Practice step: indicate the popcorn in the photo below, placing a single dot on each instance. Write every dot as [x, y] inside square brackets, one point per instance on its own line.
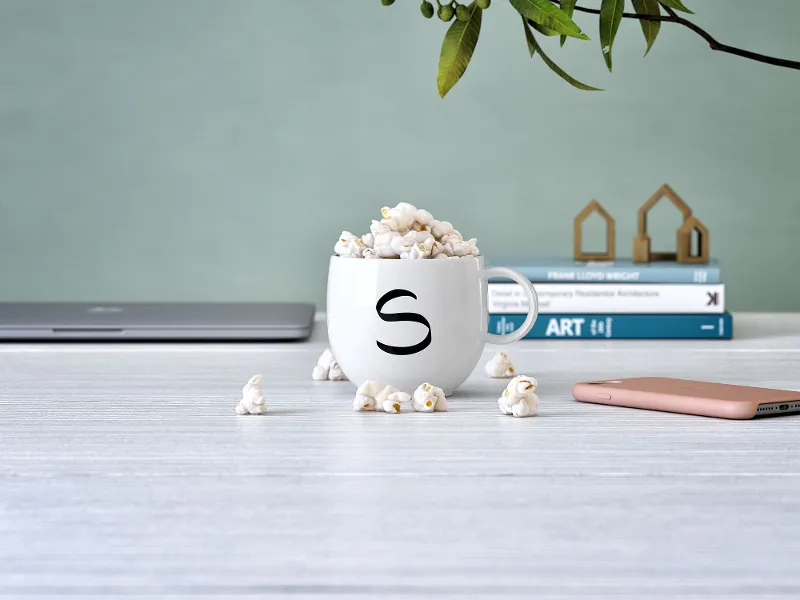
[335, 373]
[400, 244]
[452, 237]
[327, 368]
[377, 227]
[428, 398]
[393, 401]
[518, 398]
[253, 401]
[399, 218]
[349, 245]
[363, 403]
[417, 251]
[420, 249]
[424, 237]
[384, 246]
[407, 232]
[422, 220]
[440, 229]
[500, 366]
[455, 247]
[374, 395]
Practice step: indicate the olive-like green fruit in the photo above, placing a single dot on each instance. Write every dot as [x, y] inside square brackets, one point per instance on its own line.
[427, 9]
[387, 2]
[462, 13]
[446, 13]
[484, 4]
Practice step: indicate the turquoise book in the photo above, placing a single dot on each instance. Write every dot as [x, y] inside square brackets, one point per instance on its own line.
[619, 326]
[555, 270]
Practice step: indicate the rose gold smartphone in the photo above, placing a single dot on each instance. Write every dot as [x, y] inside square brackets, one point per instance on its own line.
[690, 397]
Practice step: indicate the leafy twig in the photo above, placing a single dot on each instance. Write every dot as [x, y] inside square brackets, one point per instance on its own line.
[673, 17]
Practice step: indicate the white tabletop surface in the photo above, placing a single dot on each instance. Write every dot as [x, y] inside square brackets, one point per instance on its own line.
[125, 472]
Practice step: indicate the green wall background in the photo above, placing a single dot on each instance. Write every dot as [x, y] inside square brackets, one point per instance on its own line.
[210, 149]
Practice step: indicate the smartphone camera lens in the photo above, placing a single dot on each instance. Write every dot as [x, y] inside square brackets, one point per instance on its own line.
[784, 407]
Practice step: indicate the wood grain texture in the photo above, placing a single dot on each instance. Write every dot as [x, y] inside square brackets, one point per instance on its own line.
[125, 472]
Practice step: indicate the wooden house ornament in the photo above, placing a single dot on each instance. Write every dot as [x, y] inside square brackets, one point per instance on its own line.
[686, 231]
[642, 251]
[592, 207]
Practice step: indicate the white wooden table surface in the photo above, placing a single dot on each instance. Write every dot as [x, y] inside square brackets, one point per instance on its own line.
[125, 472]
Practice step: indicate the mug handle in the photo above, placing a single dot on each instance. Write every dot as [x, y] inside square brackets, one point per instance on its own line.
[533, 306]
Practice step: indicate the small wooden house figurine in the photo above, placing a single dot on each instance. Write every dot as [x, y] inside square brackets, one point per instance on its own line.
[593, 206]
[642, 251]
[685, 233]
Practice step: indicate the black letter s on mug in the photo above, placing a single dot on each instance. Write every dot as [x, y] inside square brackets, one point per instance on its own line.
[402, 317]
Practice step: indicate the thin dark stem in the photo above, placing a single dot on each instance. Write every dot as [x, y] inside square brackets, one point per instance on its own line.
[673, 17]
[595, 11]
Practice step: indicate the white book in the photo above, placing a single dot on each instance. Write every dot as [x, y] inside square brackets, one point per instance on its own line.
[565, 298]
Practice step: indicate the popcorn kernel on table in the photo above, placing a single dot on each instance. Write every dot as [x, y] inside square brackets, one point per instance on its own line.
[428, 398]
[327, 368]
[253, 401]
[518, 399]
[500, 366]
[378, 396]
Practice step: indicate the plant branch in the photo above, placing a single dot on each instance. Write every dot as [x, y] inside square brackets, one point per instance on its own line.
[673, 17]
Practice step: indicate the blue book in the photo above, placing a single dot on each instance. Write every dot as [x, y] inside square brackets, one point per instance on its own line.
[620, 326]
[555, 270]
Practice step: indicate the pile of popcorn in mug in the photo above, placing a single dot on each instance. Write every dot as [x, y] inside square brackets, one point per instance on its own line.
[518, 398]
[407, 232]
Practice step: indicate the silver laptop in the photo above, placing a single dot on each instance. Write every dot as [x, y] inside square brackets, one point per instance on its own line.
[164, 321]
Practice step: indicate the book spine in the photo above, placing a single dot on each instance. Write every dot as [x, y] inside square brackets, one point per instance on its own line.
[563, 298]
[631, 327]
[620, 274]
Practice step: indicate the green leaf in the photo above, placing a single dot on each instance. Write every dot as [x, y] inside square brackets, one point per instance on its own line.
[529, 37]
[553, 66]
[457, 48]
[542, 29]
[548, 14]
[676, 4]
[610, 18]
[568, 6]
[650, 29]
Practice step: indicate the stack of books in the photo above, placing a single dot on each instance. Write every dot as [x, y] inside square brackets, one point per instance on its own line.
[613, 300]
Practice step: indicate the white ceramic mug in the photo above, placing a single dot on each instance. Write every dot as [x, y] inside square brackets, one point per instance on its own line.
[405, 322]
